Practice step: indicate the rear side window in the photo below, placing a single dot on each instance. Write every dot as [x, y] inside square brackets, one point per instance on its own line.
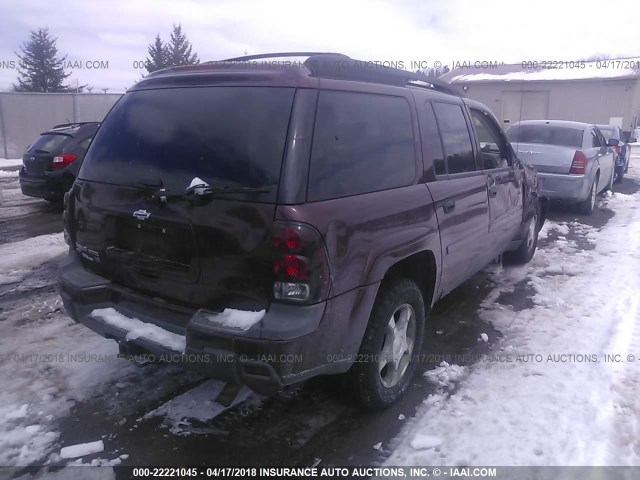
[546, 134]
[50, 143]
[431, 143]
[455, 138]
[226, 136]
[361, 143]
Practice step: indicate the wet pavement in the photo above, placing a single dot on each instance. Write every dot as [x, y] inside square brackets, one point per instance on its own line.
[312, 423]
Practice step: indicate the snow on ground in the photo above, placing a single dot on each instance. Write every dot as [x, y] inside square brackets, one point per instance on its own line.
[18, 258]
[546, 394]
[8, 174]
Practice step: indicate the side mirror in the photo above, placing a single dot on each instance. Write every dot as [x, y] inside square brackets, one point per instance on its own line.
[613, 142]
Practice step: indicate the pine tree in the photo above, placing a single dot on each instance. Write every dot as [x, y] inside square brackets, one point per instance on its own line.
[158, 55]
[40, 68]
[179, 49]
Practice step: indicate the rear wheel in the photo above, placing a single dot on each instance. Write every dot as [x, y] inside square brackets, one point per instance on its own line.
[527, 248]
[587, 205]
[386, 362]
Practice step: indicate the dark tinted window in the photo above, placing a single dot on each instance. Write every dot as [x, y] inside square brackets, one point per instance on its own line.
[455, 138]
[224, 135]
[361, 143]
[595, 140]
[546, 134]
[49, 143]
[431, 143]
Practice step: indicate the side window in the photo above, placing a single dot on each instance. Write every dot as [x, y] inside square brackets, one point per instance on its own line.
[431, 143]
[361, 143]
[455, 138]
[493, 149]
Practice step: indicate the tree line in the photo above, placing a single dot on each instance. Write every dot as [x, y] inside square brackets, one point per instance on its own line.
[41, 68]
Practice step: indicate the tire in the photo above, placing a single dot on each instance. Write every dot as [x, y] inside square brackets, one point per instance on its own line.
[619, 174]
[527, 248]
[588, 204]
[382, 375]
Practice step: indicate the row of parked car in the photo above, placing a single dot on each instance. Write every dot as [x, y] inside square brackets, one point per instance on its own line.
[335, 203]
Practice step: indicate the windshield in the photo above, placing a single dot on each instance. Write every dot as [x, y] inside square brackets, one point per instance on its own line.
[546, 134]
[227, 136]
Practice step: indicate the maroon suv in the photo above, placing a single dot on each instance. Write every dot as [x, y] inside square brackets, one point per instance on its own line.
[267, 222]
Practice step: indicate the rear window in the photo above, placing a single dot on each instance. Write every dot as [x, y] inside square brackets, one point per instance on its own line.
[50, 143]
[226, 136]
[546, 134]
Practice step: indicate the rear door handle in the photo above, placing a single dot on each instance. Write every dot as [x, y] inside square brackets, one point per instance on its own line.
[448, 206]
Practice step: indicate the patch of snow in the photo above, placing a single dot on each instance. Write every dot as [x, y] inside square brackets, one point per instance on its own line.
[18, 258]
[377, 446]
[556, 400]
[401, 417]
[484, 337]
[445, 376]
[82, 449]
[197, 182]
[138, 329]
[8, 173]
[238, 319]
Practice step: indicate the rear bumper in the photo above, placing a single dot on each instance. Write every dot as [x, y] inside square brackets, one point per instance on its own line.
[290, 344]
[565, 187]
[51, 186]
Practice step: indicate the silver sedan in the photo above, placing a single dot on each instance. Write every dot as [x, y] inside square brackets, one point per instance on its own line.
[573, 159]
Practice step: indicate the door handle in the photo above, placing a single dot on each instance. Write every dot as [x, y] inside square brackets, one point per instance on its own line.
[448, 206]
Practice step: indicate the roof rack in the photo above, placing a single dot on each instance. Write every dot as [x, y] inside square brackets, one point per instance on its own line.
[341, 67]
[71, 124]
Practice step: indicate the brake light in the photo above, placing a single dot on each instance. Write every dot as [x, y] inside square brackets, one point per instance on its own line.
[300, 264]
[579, 164]
[63, 160]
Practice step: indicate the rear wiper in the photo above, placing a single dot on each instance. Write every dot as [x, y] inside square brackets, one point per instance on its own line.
[198, 191]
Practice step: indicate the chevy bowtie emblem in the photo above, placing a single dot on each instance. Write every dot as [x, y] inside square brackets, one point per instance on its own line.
[141, 214]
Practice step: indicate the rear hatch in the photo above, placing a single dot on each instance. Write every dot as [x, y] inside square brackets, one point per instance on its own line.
[133, 225]
[39, 156]
[549, 148]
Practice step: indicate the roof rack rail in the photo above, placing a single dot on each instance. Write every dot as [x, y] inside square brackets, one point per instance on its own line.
[260, 56]
[69, 124]
[342, 67]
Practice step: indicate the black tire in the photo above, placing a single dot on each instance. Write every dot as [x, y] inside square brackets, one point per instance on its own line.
[366, 378]
[619, 174]
[588, 204]
[527, 248]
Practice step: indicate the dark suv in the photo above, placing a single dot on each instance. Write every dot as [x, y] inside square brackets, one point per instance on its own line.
[52, 162]
[270, 222]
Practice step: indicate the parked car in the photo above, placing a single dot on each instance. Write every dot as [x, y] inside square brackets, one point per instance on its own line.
[265, 225]
[622, 150]
[573, 159]
[51, 163]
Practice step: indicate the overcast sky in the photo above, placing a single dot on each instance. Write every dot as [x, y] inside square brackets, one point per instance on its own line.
[511, 31]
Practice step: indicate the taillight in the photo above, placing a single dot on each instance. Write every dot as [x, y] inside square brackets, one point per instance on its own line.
[579, 164]
[63, 160]
[300, 264]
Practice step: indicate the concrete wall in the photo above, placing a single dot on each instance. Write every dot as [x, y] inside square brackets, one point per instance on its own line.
[23, 116]
[593, 101]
